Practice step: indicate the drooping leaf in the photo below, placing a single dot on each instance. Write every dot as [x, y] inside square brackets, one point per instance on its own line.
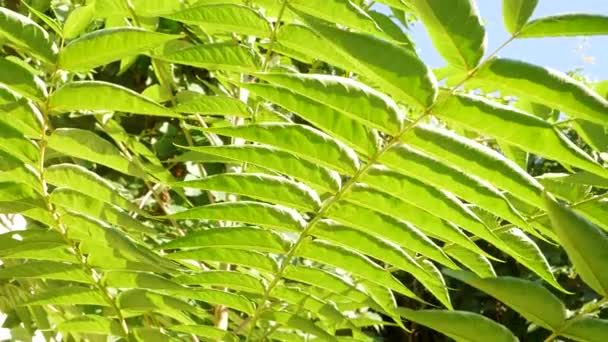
[566, 25]
[409, 81]
[429, 224]
[206, 331]
[213, 105]
[245, 258]
[352, 262]
[531, 300]
[246, 238]
[21, 80]
[89, 146]
[108, 45]
[225, 18]
[386, 227]
[229, 279]
[91, 324]
[46, 270]
[90, 206]
[298, 322]
[458, 325]
[25, 34]
[73, 295]
[301, 140]
[526, 131]
[415, 164]
[82, 180]
[330, 120]
[277, 160]
[223, 56]
[585, 243]
[475, 158]
[546, 86]
[425, 197]
[471, 260]
[275, 216]
[515, 13]
[345, 95]
[455, 29]
[103, 96]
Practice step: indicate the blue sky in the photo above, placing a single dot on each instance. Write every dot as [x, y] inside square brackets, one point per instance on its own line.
[563, 54]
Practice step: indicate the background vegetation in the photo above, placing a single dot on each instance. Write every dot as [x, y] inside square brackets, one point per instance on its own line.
[293, 171]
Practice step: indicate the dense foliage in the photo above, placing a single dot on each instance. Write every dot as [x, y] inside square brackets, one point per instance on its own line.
[291, 170]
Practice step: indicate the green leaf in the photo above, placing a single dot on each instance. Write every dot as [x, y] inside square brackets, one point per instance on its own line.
[246, 238]
[245, 258]
[409, 81]
[455, 29]
[78, 20]
[91, 324]
[515, 13]
[138, 280]
[460, 325]
[217, 56]
[586, 329]
[73, 295]
[146, 301]
[90, 206]
[34, 245]
[475, 158]
[14, 143]
[229, 279]
[301, 140]
[103, 96]
[368, 244]
[213, 105]
[415, 164]
[593, 134]
[528, 254]
[546, 86]
[84, 229]
[352, 262]
[595, 211]
[566, 25]
[341, 12]
[299, 323]
[324, 280]
[17, 112]
[89, 146]
[517, 128]
[289, 38]
[307, 301]
[46, 270]
[225, 18]
[534, 302]
[144, 8]
[217, 297]
[277, 160]
[21, 80]
[259, 186]
[585, 243]
[386, 227]
[152, 334]
[24, 33]
[275, 216]
[87, 182]
[431, 225]
[471, 260]
[342, 127]
[558, 185]
[206, 331]
[108, 45]
[425, 197]
[345, 95]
